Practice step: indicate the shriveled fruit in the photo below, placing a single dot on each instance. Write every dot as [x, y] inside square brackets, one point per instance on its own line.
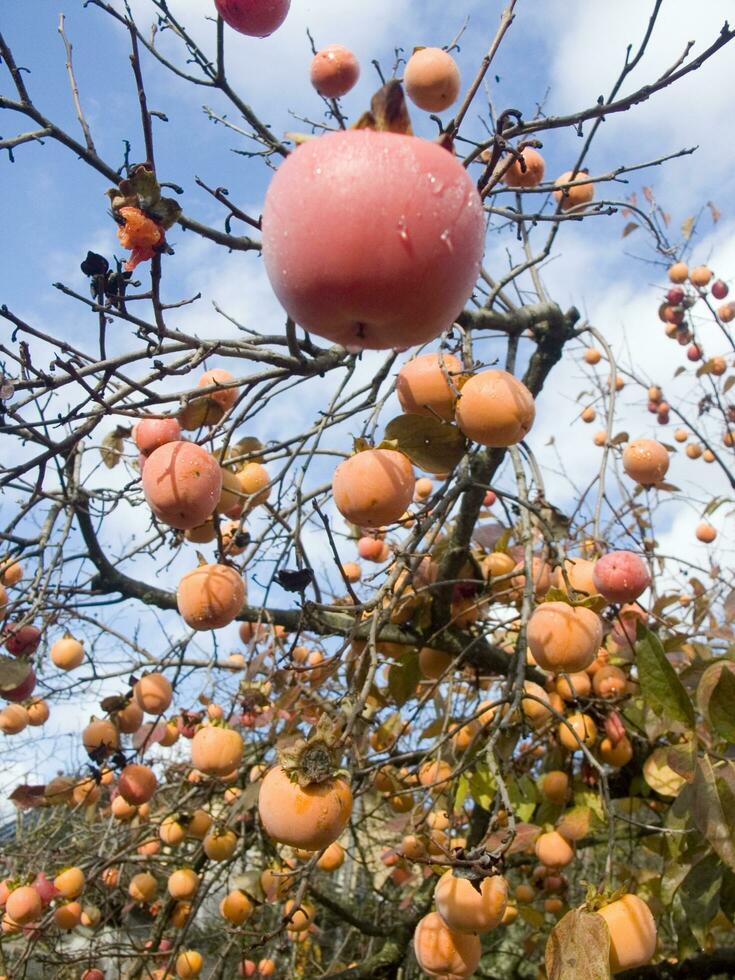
[422, 385]
[67, 653]
[577, 728]
[216, 750]
[373, 487]
[443, 952]
[210, 596]
[255, 18]
[646, 461]
[464, 909]
[495, 409]
[530, 174]
[404, 201]
[563, 637]
[632, 933]
[137, 783]
[579, 193]
[334, 71]
[310, 817]
[154, 694]
[182, 483]
[621, 576]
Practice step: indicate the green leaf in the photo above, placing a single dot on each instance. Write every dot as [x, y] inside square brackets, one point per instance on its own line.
[716, 697]
[523, 795]
[433, 445]
[463, 789]
[700, 894]
[483, 787]
[661, 688]
[403, 678]
[713, 807]
[579, 948]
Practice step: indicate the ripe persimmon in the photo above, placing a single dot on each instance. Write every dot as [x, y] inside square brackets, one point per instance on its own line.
[678, 272]
[101, 736]
[189, 963]
[495, 409]
[373, 487]
[432, 79]
[210, 596]
[555, 786]
[334, 71]
[70, 882]
[24, 905]
[632, 933]
[182, 883]
[616, 755]
[67, 653]
[142, 887]
[575, 729]
[311, 816]
[422, 385]
[705, 532]
[153, 692]
[563, 637]
[443, 952]
[465, 909]
[577, 195]
[553, 850]
[621, 576]
[646, 461]
[220, 845]
[149, 434]
[182, 483]
[236, 907]
[530, 174]
[137, 783]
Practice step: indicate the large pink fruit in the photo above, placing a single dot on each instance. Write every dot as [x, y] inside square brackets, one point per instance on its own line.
[621, 576]
[23, 641]
[149, 434]
[373, 239]
[182, 483]
[256, 18]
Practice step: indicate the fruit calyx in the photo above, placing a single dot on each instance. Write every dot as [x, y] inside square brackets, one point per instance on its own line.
[314, 759]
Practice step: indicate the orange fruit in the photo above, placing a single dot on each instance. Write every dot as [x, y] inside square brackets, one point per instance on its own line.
[495, 409]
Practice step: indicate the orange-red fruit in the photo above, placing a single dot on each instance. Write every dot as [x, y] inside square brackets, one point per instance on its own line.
[592, 356]
[149, 434]
[563, 637]
[130, 718]
[555, 786]
[443, 952]
[236, 907]
[38, 712]
[189, 964]
[183, 883]
[553, 850]
[100, 734]
[577, 728]
[225, 398]
[68, 916]
[516, 176]
[334, 71]
[70, 882]
[13, 719]
[422, 386]
[24, 905]
[432, 79]
[700, 275]
[373, 487]
[645, 461]
[621, 576]
[705, 532]
[617, 755]
[219, 845]
[580, 193]
[210, 596]
[216, 751]
[67, 653]
[464, 909]
[137, 783]
[495, 409]
[153, 692]
[142, 887]
[403, 201]
[311, 817]
[632, 933]
[182, 483]
[332, 858]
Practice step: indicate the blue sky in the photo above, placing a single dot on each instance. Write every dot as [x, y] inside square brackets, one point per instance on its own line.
[561, 54]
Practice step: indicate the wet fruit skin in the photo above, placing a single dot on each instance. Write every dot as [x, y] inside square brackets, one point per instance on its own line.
[255, 18]
[632, 933]
[646, 461]
[310, 817]
[372, 239]
[621, 576]
[182, 483]
[373, 487]
[334, 71]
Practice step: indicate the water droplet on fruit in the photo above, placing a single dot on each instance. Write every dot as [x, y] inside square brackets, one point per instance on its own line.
[317, 172]
[402, 228]
[437, 186]
[446, 237]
